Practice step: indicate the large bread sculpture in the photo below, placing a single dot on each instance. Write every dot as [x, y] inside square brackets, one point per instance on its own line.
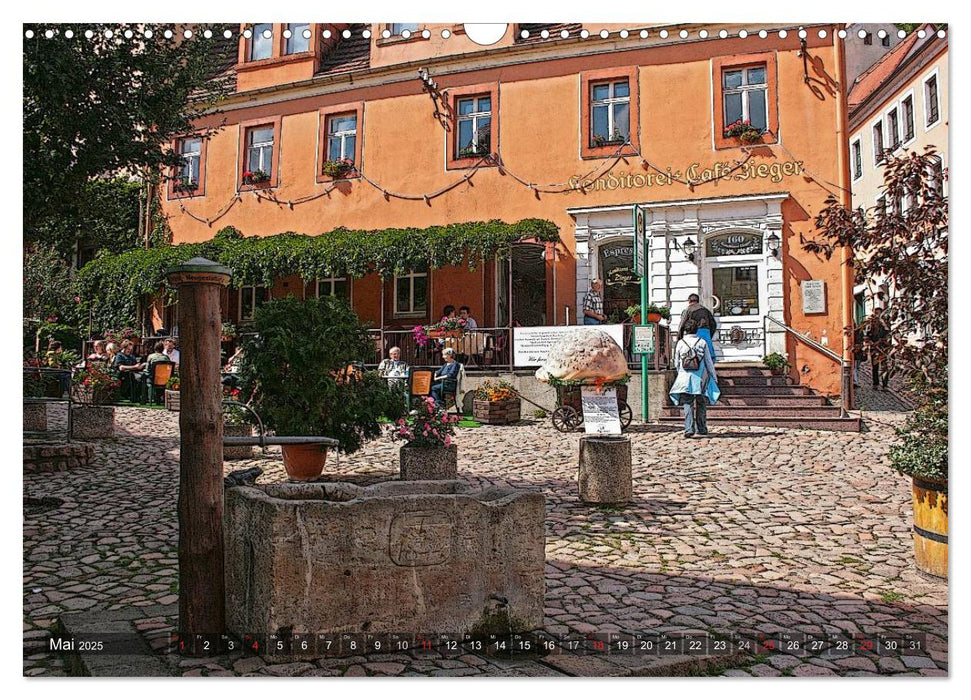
[584, 354]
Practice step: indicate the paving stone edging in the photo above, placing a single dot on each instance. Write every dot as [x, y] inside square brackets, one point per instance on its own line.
[143, 663]
[47, 457]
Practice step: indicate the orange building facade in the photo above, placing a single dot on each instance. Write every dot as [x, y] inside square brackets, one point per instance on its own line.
[345, 130]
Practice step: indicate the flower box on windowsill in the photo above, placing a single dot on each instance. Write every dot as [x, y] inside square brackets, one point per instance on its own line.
[473, 153]
[601, 143]
[185, 188]
[258, 178]
[338, 169]
[744, 133]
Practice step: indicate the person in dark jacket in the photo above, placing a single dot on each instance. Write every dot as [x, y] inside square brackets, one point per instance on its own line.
[879, 341]
[707, 325]
[446, 379]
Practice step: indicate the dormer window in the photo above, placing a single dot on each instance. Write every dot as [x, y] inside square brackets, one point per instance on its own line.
[261, 45]
[299, 39]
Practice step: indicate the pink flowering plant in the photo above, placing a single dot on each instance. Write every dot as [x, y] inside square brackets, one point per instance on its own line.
[432, 426]
[421, 338]
[743, 130]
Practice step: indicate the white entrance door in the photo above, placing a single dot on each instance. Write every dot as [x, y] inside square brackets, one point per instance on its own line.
[734, 287]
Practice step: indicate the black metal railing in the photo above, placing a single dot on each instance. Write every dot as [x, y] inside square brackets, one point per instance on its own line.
[479, 349]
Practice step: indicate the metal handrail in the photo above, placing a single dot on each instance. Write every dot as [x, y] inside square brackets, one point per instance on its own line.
[262, 440]
[804, 338]
[844, 365]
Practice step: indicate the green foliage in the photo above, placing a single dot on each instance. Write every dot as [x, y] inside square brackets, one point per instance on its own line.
[775, 360]
[102, 106]
[923, 450]
[293, 370]
[110, 285]
[104, 215]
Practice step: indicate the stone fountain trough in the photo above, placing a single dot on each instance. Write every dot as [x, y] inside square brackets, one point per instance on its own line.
[429, 556]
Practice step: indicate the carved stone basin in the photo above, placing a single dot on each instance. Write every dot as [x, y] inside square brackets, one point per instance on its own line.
[427, 556]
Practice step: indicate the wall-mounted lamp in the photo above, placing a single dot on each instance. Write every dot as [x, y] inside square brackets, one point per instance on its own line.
[773, 240]
[689, 247]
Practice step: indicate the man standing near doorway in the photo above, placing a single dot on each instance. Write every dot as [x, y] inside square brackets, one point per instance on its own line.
[593, 305]
[705, 319]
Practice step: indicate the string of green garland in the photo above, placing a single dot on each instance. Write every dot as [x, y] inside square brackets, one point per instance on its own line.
[111, 285]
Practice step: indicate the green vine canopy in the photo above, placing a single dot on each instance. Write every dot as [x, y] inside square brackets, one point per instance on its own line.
[111, 285]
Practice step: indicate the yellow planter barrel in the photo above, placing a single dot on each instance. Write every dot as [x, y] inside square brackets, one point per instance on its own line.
[930, 527]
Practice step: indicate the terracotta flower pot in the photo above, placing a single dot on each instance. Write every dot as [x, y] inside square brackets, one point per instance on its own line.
[304, 462]
[653, 317]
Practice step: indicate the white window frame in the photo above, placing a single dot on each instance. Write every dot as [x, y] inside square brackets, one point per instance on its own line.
[412, 27]
[933, 75]
[611, 103]
[474, 116]
[262, 146]
[185, 172]
[856, 149]
[892, 143]
[411, 276]
[239, 305]
[878, 149]
[330, 282]
[295, 34]
[343, 135]
[744, 89]
[913, 117]
[258, 30]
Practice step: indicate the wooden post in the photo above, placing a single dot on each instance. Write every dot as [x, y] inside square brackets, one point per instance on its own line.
[201, 579]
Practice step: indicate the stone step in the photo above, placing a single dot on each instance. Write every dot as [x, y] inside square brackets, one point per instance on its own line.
[735, 371]
[793, 412]
[773, 390]
[771, 400]
[753, 380]
[851, 424]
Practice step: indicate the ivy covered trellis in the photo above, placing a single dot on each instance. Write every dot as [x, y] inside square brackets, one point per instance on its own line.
[111, 285]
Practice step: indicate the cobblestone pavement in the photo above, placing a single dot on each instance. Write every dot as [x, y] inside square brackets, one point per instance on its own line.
[749, 530]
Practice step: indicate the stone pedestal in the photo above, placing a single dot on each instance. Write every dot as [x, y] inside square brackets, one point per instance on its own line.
[242, 452]
[336, 557]
[35, 417]
[428, 463]
[93, 422]
[605, 470]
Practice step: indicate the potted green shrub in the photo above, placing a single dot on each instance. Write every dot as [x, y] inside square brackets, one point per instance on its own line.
[922, 455]
[655, 313]
[776, 362]
[294, 371]
[633, 313]
[429, 451]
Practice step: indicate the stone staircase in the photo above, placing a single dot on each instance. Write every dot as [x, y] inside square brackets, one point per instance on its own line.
[751, 395]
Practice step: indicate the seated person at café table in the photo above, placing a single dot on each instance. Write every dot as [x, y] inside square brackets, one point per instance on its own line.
[446, 379]
[470, 323]
[393, 365]
[170, 352]
[99, 354]
[127, 366]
